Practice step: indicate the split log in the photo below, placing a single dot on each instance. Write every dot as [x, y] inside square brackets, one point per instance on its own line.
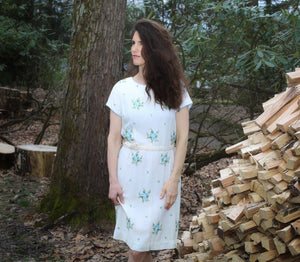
[267, 256]
[280, 246]
[293, 78]
[35, 160]
[282, 115]
[288, 95]
[285, 234]
[294, 247]
[7, 156]
[296, 226]
[288, 215]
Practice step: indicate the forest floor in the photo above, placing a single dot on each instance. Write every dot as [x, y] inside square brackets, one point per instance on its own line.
[24, 235]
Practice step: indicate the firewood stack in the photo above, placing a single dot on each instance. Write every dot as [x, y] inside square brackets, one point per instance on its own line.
[254, 213]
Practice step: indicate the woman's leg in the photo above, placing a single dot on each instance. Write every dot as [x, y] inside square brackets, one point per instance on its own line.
[136, 256]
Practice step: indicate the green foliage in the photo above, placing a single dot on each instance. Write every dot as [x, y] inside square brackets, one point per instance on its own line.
[235, 54]
[34, 37]
[232, 44]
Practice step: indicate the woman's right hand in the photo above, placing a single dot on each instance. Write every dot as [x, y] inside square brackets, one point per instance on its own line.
[116, 191]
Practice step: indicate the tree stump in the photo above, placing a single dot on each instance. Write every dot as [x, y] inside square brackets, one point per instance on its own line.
[7, 156]
[35, 160]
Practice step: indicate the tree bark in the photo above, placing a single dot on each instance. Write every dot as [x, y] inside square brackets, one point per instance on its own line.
[80, 177]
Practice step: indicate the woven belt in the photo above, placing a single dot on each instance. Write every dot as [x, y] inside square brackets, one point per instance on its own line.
[147, 147]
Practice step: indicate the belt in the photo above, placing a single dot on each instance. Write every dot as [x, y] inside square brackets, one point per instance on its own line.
[147, 147]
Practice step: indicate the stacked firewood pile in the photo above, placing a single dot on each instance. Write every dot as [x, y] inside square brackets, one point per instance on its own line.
[254, 213]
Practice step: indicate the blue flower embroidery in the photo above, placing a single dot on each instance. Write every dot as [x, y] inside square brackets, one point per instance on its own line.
[137, 104]
[144, 195]
[128, 135]
[177, 225]
[129, 224]
[164, 159]
[173, 137]
[156, 228]
[136, 158]
[152, 135]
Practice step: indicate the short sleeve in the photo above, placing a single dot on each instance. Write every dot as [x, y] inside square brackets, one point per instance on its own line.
[114, 101]
[186, 100]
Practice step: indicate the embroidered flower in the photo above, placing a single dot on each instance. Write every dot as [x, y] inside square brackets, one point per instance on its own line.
[152, 135]
[164, 159]
[177, 225]
[129, 225]
[173, 137]
[144, 195]
[128, 135]
[137, 104]
[156, 228]
[136, 158]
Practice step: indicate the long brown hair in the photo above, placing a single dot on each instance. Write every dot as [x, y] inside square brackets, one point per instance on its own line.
[162, 71]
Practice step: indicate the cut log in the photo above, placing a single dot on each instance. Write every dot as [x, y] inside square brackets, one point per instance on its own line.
[267, 174]
[288, 175]
[267, 243]
[252, 208]
[296, 149]
[241, 188]
[282, 198]
[280, 187]
[284, 123]
[294, 127]
[288, 215]
[296, 226]
[250, 127]
[267, 256]
[292, 78]
[288, 95]
[285, 234]
[256, 237]
[283, 114]
[280, 246]
[249, 172]
[35, 160]
[281, 141]
[276, 179]
[7, 156]
[227, 181]
[247, 226]
[236, 213]
[251, 248]
[235, 147]
[294, 247]
[272, 156]
[266, 213]
[258, 188]
[213, 218]
[254, 197]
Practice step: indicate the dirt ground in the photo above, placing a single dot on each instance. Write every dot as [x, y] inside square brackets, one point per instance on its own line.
[25, 236]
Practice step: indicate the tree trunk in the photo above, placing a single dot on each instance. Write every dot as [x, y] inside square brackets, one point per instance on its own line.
[80, 177]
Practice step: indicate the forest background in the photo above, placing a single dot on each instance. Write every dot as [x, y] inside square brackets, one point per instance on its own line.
[235, 54]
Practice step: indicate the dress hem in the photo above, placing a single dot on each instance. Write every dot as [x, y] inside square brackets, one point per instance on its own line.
[151, 247]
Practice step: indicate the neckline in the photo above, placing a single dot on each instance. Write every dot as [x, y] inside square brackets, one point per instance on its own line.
[137, 82]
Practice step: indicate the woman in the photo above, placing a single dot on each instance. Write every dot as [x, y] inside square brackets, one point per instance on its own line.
[149, 113]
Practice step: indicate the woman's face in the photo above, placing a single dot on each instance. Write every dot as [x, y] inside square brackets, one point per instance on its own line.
[136, 50]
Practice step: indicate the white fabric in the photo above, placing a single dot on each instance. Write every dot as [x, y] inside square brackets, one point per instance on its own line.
[142, 221]
[147, 147]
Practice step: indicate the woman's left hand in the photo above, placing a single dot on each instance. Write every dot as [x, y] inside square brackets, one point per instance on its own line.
[170, 189]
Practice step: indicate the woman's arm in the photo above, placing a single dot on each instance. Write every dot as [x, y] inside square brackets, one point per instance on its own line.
[114, 142]
[170, 188]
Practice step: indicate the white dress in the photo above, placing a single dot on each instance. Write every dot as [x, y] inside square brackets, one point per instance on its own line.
[142, 221]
